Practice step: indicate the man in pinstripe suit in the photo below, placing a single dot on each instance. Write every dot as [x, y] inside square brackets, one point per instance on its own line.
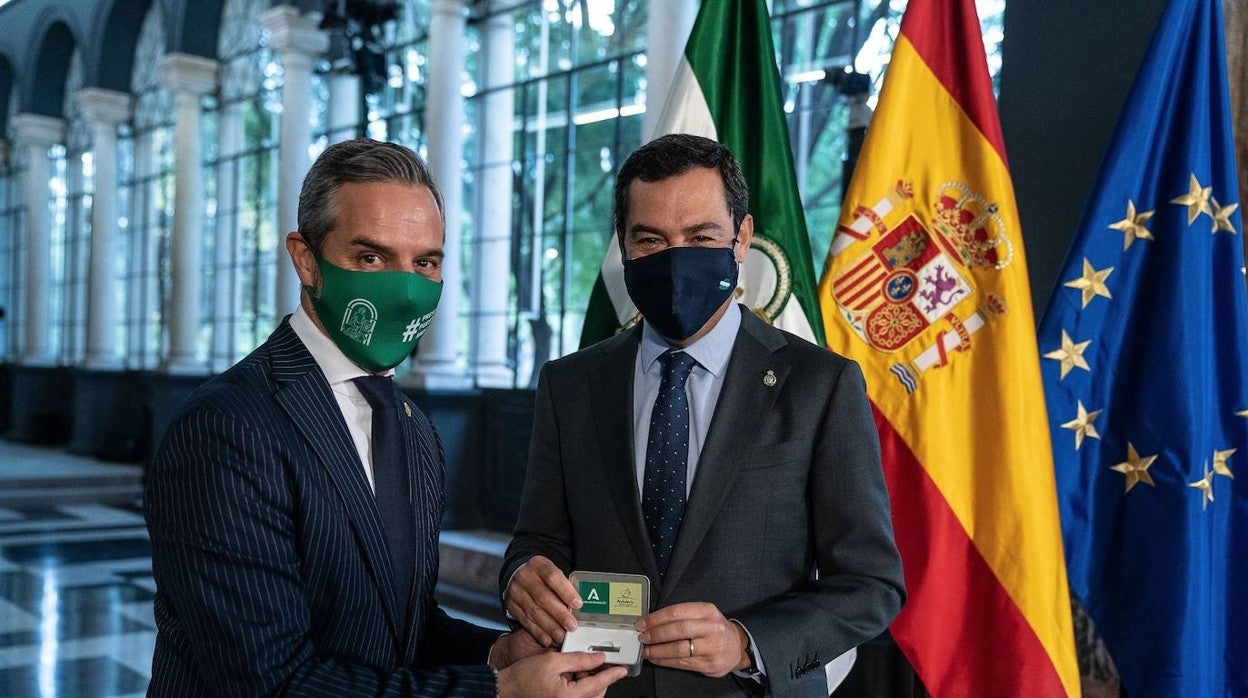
[294, 503]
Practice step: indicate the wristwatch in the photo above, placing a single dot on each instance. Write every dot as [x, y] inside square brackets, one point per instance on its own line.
[751, 672]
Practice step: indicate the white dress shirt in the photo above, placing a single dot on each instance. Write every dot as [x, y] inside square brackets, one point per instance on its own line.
[339, 371]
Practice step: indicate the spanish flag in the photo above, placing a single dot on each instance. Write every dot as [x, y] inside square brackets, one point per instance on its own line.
[926, 287]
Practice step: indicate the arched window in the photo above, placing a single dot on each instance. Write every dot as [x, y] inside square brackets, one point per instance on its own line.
[145, 155]
[12, 208]
[71, 186]
[395, 112]
[393, 98]
[579, 96]
[241, 143]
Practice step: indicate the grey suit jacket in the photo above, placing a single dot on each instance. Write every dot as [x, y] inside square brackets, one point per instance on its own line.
[789, 482]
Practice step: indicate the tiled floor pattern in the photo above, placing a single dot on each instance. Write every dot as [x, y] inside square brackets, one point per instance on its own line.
[75, 601]
[76, 584]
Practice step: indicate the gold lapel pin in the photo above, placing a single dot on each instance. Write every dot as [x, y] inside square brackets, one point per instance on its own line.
[769, 379]
[408, 409]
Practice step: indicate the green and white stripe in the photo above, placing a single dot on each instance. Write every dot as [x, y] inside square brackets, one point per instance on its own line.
[727, 88]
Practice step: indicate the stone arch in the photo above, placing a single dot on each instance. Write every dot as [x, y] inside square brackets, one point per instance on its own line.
[194, 26]
[112, 61]
[7, 80]
[44, 92]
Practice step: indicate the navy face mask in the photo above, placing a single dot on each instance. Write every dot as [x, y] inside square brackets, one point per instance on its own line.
[679, 289]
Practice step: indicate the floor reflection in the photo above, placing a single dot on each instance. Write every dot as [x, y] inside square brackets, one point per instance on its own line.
[75, 602]
[49, 620]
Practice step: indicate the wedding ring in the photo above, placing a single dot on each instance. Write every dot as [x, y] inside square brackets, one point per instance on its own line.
[690, 647]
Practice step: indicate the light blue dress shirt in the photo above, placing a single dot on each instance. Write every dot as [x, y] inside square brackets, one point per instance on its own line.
[711, 352]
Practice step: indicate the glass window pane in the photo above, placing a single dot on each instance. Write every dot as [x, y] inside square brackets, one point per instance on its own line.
[12, 213]
[146, 188]
[578, 90]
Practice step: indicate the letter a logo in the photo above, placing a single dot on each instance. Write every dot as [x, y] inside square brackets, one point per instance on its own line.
[595, 595]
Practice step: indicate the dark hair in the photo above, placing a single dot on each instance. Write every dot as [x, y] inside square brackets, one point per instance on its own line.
[358, 160]
[672, 155]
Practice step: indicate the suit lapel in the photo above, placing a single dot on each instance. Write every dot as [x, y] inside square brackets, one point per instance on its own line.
[424, 467]
[309, 402]
[744, 398]
[612, 398]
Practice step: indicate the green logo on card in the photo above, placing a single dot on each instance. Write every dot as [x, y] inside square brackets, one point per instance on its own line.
[595, 596]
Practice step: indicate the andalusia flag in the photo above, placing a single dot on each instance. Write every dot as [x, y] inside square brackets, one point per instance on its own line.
[926, 287]
[727, 88]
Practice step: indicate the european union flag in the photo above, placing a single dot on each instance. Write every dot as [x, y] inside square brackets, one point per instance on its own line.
[1145, 347]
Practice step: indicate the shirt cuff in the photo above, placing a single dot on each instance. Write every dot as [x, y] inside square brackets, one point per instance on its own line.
[489, 656]
[506, 589]
[758, 658]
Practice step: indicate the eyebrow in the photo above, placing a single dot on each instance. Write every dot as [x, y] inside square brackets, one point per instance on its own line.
[389, 252]
[702, 227]
[639, 228]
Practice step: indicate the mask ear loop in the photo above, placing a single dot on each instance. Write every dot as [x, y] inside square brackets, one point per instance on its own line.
[316, 277]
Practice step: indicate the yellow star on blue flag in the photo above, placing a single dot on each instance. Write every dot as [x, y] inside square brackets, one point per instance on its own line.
[1170, 385]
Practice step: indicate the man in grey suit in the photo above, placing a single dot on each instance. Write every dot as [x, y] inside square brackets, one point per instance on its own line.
[294, 504]
[734, 464]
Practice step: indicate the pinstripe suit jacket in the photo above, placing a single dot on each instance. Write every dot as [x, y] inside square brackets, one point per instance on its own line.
[272, 573]
[789, 481]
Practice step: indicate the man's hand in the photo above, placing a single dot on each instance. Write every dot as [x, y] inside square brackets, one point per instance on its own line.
[512, 647]
[559, 675]
[695, 637]
[541, 599]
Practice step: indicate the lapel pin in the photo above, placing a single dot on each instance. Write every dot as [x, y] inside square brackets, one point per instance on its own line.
[408, 409]
[769, 379]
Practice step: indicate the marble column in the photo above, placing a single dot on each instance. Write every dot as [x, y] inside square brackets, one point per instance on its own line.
[492, 257]
[295, 38]
[189, 78]
[438, 364]
[105, 110]
[343, 115]
[36, 133]
[667, 31]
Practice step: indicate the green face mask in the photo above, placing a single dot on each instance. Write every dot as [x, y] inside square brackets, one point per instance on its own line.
[375, 317]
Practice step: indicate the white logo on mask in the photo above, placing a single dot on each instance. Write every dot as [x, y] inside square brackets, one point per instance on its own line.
[359, 321]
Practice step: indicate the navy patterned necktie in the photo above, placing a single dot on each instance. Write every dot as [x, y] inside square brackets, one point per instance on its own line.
[390, 482]
[667, 457]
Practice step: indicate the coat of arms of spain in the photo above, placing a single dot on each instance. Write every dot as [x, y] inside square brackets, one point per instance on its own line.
[910, 275]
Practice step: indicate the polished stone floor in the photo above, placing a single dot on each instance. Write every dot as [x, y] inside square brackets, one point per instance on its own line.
[76, 584]
[75, 600]
[75, 577]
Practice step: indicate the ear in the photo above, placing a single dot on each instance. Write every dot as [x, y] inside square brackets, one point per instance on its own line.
[745, 234]
[304, 260]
